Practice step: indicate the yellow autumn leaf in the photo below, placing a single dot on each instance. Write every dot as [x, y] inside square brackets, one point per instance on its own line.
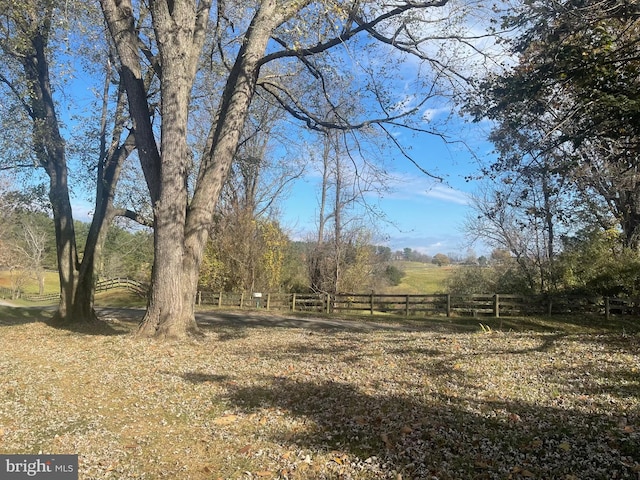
[565, 446]
[225, 420]
[245, 449]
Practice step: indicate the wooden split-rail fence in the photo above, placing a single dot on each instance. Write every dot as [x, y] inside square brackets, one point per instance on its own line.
[495, 305]
[134, 286]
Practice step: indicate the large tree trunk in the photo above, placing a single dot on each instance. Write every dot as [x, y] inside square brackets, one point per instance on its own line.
[176, 27]
[180, 234]
[50, 151]
[224, 140]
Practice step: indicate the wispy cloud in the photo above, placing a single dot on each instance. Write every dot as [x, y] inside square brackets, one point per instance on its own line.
[82, 210]
[447, 194]
[431, 114]
[406, 187]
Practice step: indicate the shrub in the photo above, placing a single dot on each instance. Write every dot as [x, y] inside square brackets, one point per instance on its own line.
[393, 275]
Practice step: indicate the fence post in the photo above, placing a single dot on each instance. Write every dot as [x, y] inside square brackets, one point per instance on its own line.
[448, 304]
[371, 302]
[220, 300]
[328, 303]
[241, 299]
[496, 305]
[293, 302]
[268, 301]
[406, 306]
[199, 297]
[607, 308]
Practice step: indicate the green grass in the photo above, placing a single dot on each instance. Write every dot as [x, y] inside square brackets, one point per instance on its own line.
[119, 298]
[421, 278]
[51, 282]
[112, 298]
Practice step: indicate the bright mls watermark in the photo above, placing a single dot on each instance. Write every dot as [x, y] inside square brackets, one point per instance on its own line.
[45, 467]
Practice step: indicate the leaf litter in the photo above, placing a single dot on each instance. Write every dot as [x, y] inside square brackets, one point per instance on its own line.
[399, 401]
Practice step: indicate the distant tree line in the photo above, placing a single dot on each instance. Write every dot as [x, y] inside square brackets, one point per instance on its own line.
[28, 243]
[248, 254]
[261, 257]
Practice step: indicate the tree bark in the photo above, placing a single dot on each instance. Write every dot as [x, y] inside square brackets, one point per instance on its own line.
[225, 136]
[50, 151]
[181, 228]
[77, 280]
[180, 38]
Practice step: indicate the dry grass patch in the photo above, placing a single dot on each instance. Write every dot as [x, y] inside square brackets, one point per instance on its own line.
[278, 397]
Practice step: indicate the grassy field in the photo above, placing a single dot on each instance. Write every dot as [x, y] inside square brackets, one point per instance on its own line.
[421, 278]
[274, 397]
[51, 282]
[114, 298]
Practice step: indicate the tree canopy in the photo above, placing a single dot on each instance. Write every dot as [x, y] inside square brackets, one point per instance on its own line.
[566, 130]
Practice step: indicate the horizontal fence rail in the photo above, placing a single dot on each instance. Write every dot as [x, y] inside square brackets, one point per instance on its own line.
[133, 286]
[434, 304]
[397, 304]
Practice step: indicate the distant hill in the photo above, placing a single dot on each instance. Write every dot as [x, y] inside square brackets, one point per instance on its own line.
[421, 278]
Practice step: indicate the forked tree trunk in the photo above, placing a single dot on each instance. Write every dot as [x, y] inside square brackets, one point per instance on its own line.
[180, 235]
[180, 240]
[50, 151]
[77, 281]
[180, 43]
[65, 243]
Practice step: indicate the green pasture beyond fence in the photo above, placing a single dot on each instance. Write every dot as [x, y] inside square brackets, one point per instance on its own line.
[495, 305]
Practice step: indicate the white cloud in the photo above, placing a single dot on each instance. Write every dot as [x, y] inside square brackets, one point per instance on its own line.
[82, 211]
[405, 187]
[447, 194]
[430, 114]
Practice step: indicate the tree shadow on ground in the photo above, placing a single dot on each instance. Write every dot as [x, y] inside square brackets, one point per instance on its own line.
[22, 315]
[93, 327]
[258, 319]
[439, 324]
[235, 324]
[447, 437]
[110, 321]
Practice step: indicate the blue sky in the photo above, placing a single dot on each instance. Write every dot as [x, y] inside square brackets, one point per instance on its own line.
[423, 214]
